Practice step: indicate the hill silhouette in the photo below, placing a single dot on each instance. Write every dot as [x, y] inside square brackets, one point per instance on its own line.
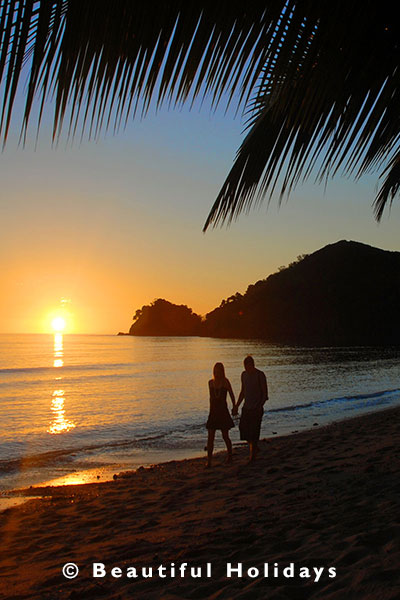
[347, 293]
[164, 318]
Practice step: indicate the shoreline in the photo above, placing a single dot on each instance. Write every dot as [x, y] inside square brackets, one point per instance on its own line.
[106, 473]
[114, 473]
[326, 497]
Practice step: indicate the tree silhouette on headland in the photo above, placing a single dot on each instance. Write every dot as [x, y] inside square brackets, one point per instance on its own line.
[164, 318]
[319, 82]
[346, 293]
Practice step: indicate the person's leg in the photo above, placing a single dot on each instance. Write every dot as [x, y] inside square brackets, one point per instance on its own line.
[210, 446]
[228, 443]
[256, 436]
[253, 450]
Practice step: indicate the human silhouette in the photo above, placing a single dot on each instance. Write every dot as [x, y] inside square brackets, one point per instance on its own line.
[254, 392]
[219, 417]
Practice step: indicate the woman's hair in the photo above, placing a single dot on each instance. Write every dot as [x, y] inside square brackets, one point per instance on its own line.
[219, 372]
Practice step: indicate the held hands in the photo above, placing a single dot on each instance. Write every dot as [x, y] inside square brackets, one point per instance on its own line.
[234, 410]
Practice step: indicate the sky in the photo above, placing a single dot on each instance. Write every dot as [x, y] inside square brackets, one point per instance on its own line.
[95, 230]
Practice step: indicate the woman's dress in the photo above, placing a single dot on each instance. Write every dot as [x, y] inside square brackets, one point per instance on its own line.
[219, 417]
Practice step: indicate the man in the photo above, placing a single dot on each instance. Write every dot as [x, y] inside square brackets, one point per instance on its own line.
[254, 392]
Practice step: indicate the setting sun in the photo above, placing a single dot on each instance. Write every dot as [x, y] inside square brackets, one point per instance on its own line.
[58, 324]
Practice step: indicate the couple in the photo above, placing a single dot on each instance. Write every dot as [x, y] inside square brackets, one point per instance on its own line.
[254, 391]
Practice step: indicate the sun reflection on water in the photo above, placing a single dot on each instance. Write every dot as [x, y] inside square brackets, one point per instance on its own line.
[60, 423]
[58, 350]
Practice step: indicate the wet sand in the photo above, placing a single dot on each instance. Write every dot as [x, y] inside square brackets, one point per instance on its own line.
[326, 498]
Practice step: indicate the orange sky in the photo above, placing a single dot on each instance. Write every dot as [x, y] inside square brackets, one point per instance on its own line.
[112, 226]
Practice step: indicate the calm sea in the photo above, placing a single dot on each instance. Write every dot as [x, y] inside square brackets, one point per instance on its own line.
[80, 407]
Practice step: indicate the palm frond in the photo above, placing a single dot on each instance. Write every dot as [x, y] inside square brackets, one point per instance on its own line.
[320, 82]
[109, 59]
[389, 188]
[337, 110]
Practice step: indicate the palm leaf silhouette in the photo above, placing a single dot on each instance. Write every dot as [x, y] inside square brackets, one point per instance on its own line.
[318, 81]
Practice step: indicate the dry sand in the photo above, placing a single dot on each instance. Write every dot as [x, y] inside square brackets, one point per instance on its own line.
[324, 498]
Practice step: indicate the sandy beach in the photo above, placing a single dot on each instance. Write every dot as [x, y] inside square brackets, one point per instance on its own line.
[317, 516]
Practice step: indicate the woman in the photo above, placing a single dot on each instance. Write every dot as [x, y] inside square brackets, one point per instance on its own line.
[219, 417]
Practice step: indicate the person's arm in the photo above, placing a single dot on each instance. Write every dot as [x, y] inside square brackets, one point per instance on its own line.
[230, 392]
[264, 386]
[240, 399]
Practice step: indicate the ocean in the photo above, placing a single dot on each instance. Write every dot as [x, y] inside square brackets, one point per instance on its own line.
[77, 408]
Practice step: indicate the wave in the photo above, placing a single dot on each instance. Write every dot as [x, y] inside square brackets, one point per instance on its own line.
[174, 436]
[51, 369]
[341, 399]
[56, 456]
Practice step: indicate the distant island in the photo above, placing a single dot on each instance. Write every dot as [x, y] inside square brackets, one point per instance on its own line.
[164, 318]
[346, 293]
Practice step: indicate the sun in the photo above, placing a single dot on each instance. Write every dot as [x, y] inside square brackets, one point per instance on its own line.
[58, 324]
